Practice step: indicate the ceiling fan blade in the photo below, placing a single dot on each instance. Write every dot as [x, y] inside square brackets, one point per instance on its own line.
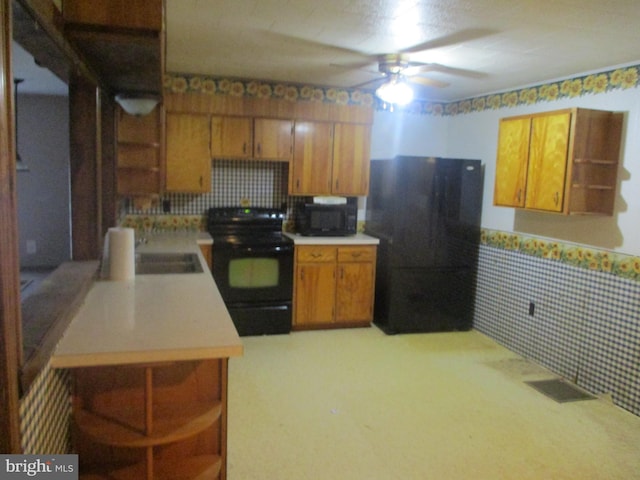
[375, 83]
[428, 82]
[417, 68]
[368, 67]
[452, 39]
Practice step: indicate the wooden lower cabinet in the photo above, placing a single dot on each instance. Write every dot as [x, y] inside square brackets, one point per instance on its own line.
[152, 421]
[333, 286]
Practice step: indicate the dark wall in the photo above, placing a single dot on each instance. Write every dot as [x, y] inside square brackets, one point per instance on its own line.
[43, 190]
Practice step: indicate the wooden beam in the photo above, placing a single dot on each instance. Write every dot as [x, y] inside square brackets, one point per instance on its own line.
[10, 321]
[85, 160]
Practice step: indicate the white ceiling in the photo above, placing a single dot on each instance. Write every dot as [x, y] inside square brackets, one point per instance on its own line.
[503, 44]
[500, 44]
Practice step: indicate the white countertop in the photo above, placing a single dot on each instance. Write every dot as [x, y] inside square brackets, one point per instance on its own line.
[358, 239]
[154, 318]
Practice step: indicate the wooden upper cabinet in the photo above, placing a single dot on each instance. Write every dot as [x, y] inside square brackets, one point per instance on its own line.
[310, 171]
[272, 139]
[350, 172]
[565, 161]
[548, 150]
[188, 156]
[231, 137]
[512, 161]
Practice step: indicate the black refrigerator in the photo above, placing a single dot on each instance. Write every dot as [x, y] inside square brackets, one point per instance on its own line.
[426, 212]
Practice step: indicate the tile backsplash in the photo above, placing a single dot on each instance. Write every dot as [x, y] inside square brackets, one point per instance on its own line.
[233, 183]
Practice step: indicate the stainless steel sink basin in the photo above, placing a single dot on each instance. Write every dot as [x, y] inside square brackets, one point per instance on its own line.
[159, 263]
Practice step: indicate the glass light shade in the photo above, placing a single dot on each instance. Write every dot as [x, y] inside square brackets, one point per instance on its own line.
[137, 105]
[396, 92]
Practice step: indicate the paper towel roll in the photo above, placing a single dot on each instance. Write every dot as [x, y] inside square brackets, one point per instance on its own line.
[122, 263]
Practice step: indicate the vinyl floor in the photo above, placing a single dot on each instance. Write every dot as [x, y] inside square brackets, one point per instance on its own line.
[358, 404]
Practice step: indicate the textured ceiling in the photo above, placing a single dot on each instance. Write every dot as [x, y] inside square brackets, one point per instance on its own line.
[494, 44]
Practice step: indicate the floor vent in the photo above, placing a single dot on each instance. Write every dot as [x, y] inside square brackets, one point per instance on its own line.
[560, 391]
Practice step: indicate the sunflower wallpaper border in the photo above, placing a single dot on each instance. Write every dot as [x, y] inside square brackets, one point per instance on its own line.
[595, 83]
[590, 258]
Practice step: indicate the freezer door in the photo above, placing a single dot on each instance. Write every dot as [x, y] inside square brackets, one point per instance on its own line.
[425, 300]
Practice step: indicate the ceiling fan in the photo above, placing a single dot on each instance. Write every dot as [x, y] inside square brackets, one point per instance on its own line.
[396, 71]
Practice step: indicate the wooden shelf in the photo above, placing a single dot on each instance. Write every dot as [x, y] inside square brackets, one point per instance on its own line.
[140, 169]
[594, 187]
[170, 425]
[201, 467]
[594, 161]
[144, 145]
[151, 421]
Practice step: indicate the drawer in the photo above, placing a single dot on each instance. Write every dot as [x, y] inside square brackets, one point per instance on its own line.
[359, 253]
[316, 254]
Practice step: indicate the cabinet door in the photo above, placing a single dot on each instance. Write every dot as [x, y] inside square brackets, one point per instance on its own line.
[350, 174]
[310, 172]
[231, 137]
[354, 292]
[548, 161]
[315, 293]
[511, 162]
[272, 139]
[188, 157]
[355, 283]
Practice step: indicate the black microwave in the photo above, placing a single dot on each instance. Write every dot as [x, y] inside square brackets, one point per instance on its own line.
[318, 219]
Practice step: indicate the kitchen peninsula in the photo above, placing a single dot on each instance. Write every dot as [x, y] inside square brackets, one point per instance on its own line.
[149, 361]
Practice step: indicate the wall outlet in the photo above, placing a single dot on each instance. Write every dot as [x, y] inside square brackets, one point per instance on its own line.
[31, 247]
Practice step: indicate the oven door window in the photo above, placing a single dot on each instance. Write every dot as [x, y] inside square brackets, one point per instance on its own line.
[254, 272]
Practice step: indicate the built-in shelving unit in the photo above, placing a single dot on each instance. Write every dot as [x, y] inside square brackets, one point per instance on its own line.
[140, 157]
[156, 421]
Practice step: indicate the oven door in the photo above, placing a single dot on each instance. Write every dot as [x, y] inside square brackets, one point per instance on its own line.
[248, 274]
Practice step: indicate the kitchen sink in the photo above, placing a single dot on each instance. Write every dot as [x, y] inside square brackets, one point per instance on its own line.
[161, 263]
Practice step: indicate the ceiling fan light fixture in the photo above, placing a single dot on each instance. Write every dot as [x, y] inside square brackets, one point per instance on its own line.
[395, 92]
[138, 105]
